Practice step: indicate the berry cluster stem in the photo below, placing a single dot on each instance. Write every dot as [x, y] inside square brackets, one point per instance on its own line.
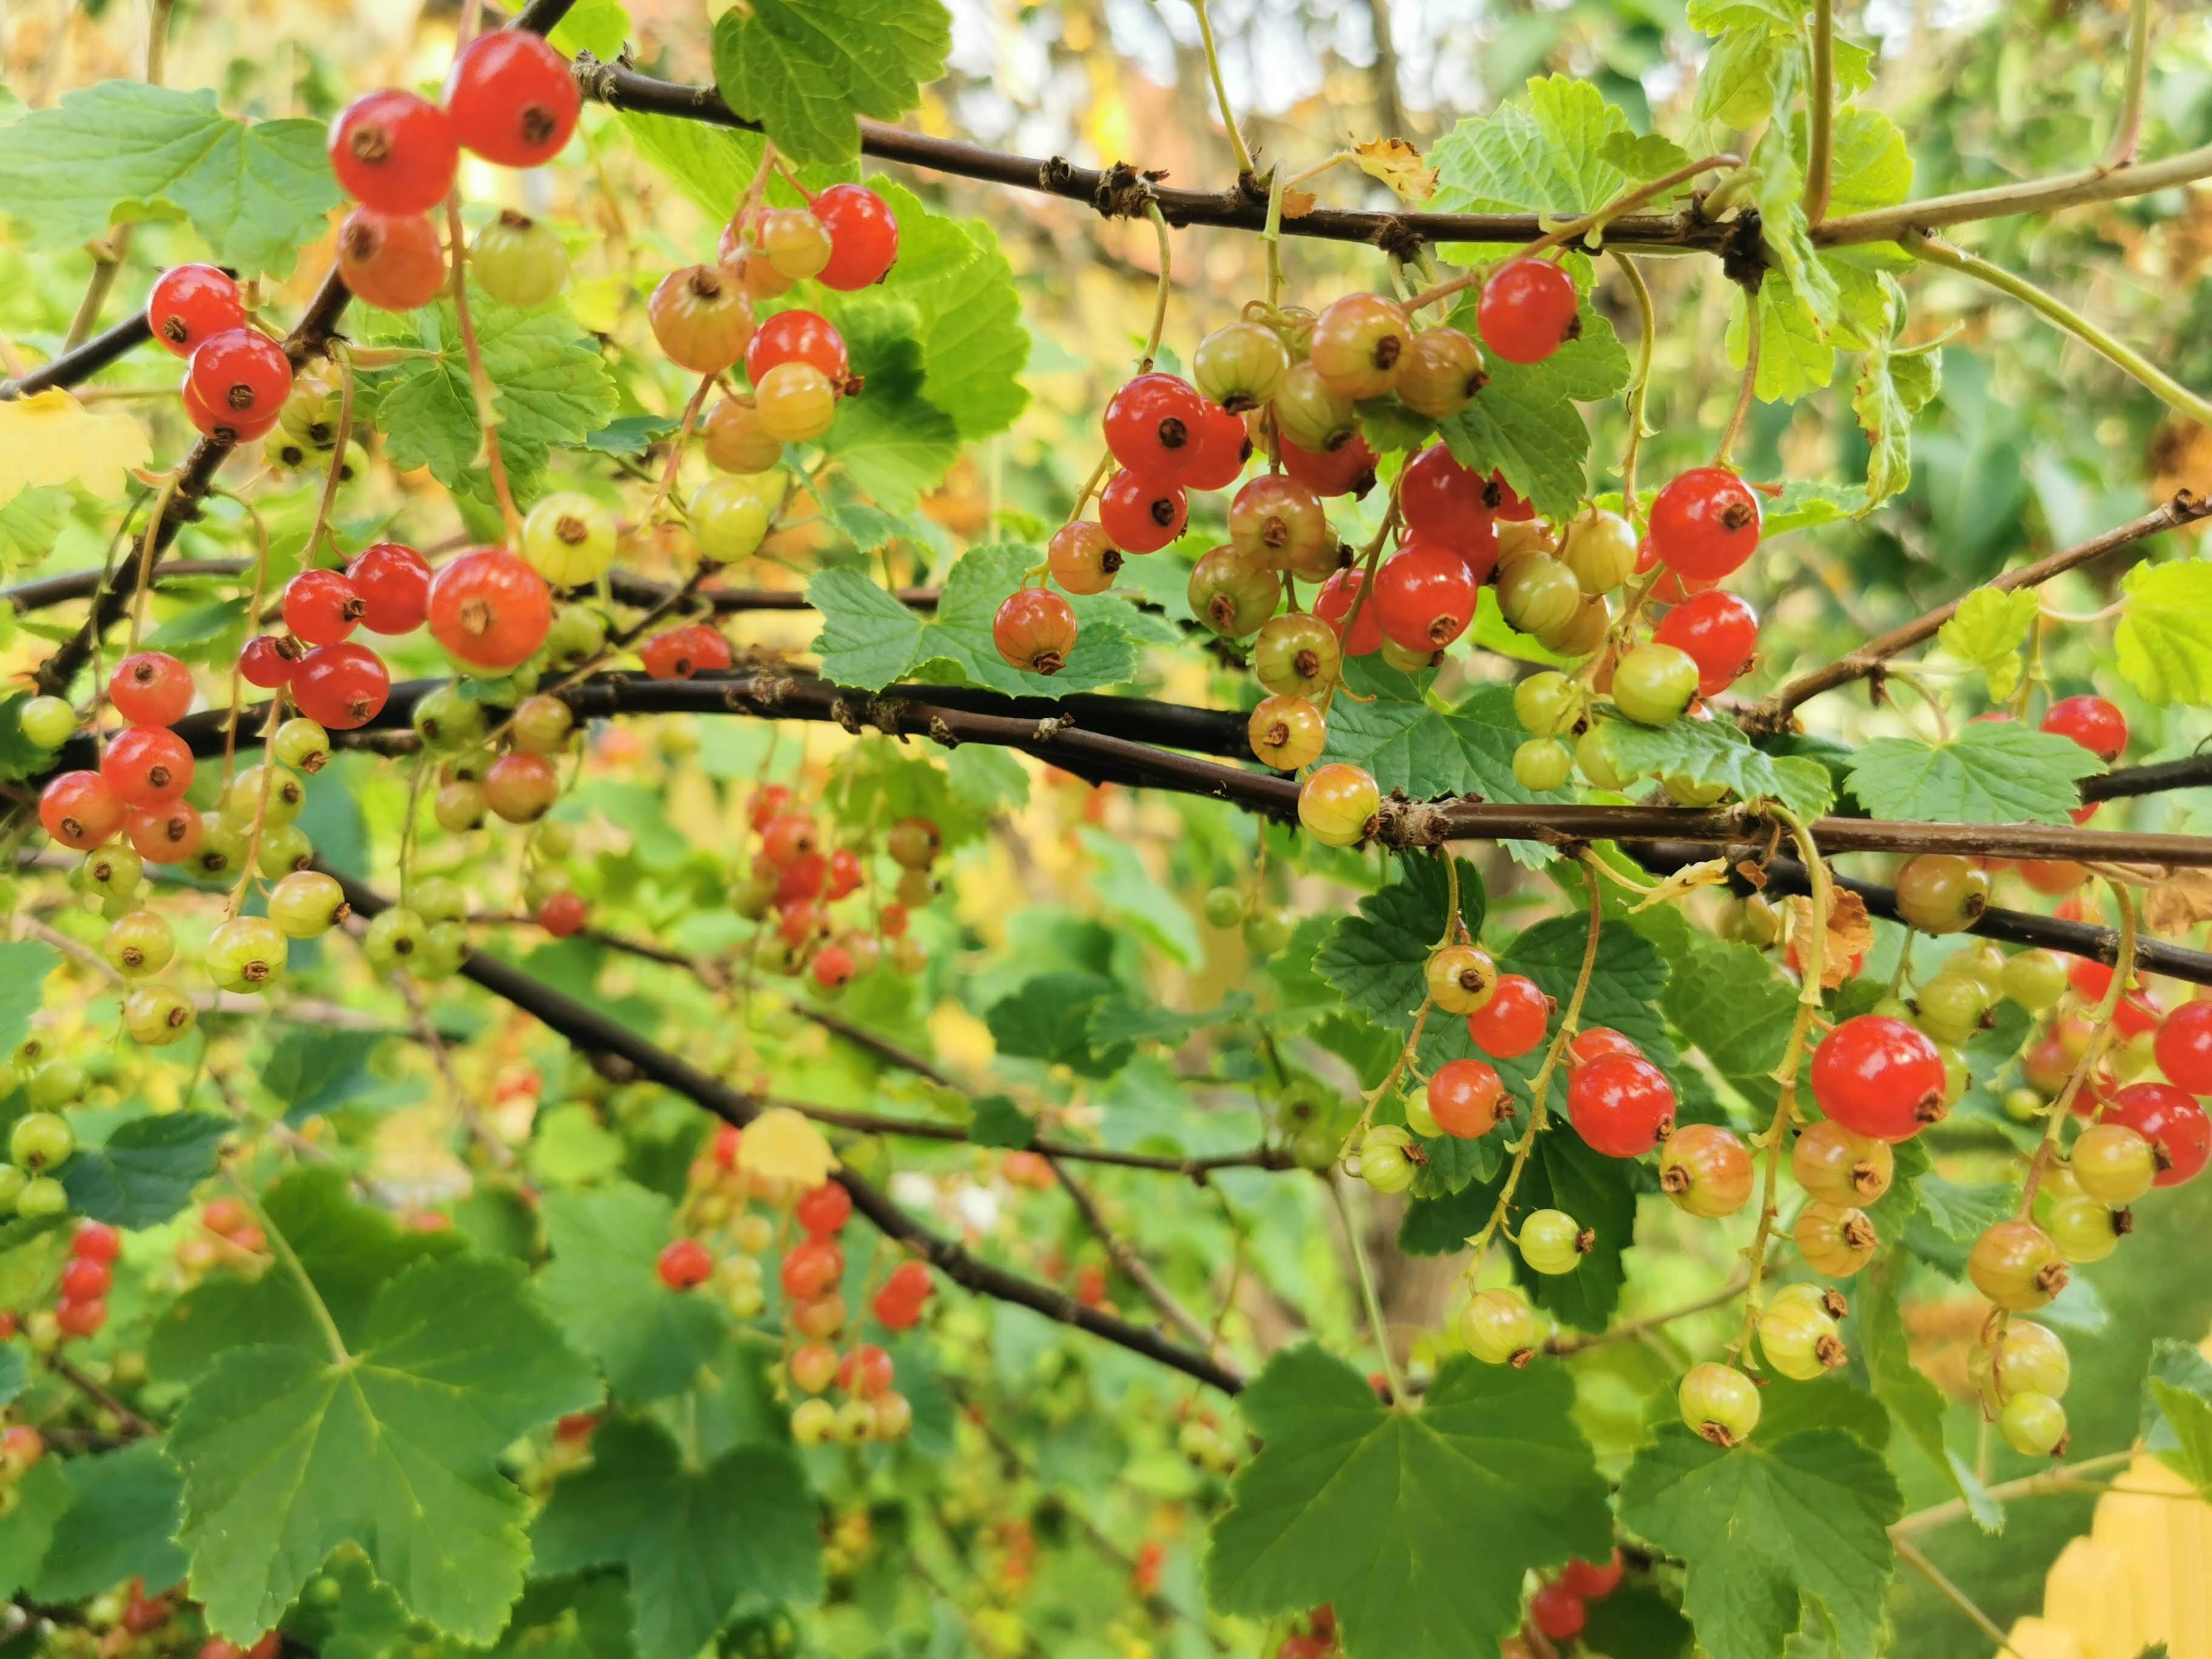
[1753, 327]
[1820, 112]
[1221, 89]
[2100, 1037]
[260, 810]
[1368, 1297]
[343, 358]
[479, 378]
[1647, 319]
[1160, 294]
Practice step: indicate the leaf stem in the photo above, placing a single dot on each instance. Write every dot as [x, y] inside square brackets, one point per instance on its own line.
[1575, 1342]
[2127, 132]
[1221, 90]
[1366, 1275]
[479, 379]
[1821, 113]
[1951, 1593]
[1647, 317]
[1160, 295]
[1754, 326]
[280, 1247]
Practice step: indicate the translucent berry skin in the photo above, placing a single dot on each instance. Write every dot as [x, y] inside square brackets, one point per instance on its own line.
[1438, 497]
[167, 835]
[1141, 514]
[80, 810]
[824, 1210]
[510, 98]
[490, 610]
[148, 767]
[1233, 593]
[1499, 1328]
[795, 402]
[1705, 524]
[2173, 1124]
[1718, 631]
[811, 1268]
[804, 336]
[1348, 470]
[191, 304]
[1558, 1612]
[1337, 803]
[562, 913]
[1082, 558]
[95, 1241]
[1224, 446]
[2184, 1047]
[1034, 630]
[1621, 1106]
[241, 376]
[393, 261]
[1598, 1042]
[1276, 519]
[393, 151]
[321, 607]
[1879, 1078]
[2094, 723]
[1153, 424]
[1839, 1166]
[1425, 595]
[1466, 1098]
[1333, 604]
[341, 686]
[1720, 1403]
[520, 262]
[1461, 978]
[1527, 311]
[1285, 733]
[1359, 342]
[701, 319]
[2016, 1265]
[864, 237]
[684, 1265]
[521, 788]
[1513, 1021]
[392, 582]
[1706, 1170]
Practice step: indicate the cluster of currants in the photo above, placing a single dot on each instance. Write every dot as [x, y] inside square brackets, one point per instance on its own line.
[1559, 1609]
[796, 879]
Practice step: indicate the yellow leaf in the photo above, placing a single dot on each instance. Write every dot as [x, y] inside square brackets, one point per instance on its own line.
[1399, 165]
[1687, 880]
[2179, 902]
[782, 1144]
[50, 438]
[1850, 934]
[1297, 204]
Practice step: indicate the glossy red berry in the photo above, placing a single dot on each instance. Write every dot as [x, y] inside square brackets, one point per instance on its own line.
[168, 835]
[1621, 1105]
[845, 873]
[148, 767]
[150, 688]
[2173, 1124]
[192, 304]
[341, 686]
[1141, 514]
[80, 810]
[898, 1305]
[1224, 446]
[511, 100]
[1425, 595]
[1333, 603]
[2094, 723]
[562, 913]
[864, 237]
[393, 261]
[321, 607]
[768, 800]
[242, 376]
[1438, 497]
[1349, 471]
[2184, 1048]
[832, 968]
[392, 582]
[811, 1268]
[1591, 1582]
[1034, 630]
[684, 1265]
[85, 1319]
[1718, 631]
[1558, 1612]
[393, 151]
[788, 837]
[1528, 310]
[1513, 1021]
[802, 878]
[668, 655]
[95, 1241]
[86, 1280]
[803, 337]
[268, 661]
[1466, 1098]
[824, 1209]
[490, 610]
[1600, 1041]
[1705, 524]
[1153, 424]
[1879, 1078]
[224, 427]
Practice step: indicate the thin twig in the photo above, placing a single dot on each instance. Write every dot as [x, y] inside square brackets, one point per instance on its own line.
[1133, 1266]
[1951, 1593]
[1629, 1330]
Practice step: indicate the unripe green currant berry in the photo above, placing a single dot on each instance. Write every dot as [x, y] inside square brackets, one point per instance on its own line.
[307, 903]
[1224, 907]
[577, 635]
[569, 539]
[520, 261]
[445, 948]
[1654, 683]
[2035, 979]
[813, 1421]
[438, 899]
[1336, 803]
[1581, 633]
[460, 807]
[751, 896]
[1942, 893]
[394, 939]
[1835, 1240]
[139, 944]
[553, 839]
[40, 1140]
[110, 871]
[302, 744]
[1268, 929]
[157, 1015]
[1384, 1163]
[449, 720]
[2113, 1165]
[1538, 595]
[56, 1083]
[1499, 1328]
[1420, 1120]
[1822, 1299]
[2033, 1425]
[2023, 1104]
[221, 853]
[1983, 962]
[1838, 1167]
[1720, 1403]
[12, 1182]
[2016, 1265]
[541, 725]
[267, 795]
[1231, 594]
[1240, 366]
[1757, 923]
[1800, 1341]
[1950, 1008]
[2085, 1230]
[46, 722]
[1553, 1242]
[1309, 414]
[1314, 1145]
[1685, 791]
[1600, 547]
[1296, 655]
[284, 849]
[2029, 1358]
[1285, 733]
[1595, 755]
[246, 953]
[1461, 978]
[1542, 763]
[729, 518]
[42, 1196]
[1547, 704]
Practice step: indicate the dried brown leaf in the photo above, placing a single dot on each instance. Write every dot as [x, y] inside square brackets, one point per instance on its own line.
[2179, 902]
[1297, 204]
[1850, 934]
[1398, 165]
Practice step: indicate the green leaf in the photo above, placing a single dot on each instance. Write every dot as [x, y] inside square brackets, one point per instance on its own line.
[1492, 1454]
[960, 633]
[1807, 504]
[313, 1070]
[1795, 355]
[1714, 16]
[868, 638]
[1636, 1619]
[1772, 1531]
[995, 1121]
[124, 1507]
[1375, 959]
[2164, 638]
[147, 1169]
[2188, 1418]
[1871, 167]
[1712, 751]
[599, 26]
[1740, 83]
[14, 1371]
[286, 1452]
[123, 150]
[805, 69]
[602, 1287]
[1734, 1004]
[1987, 631]
[29, 523]
[1048, 1019]
[1890, 389]
[1991, 772]
[1409, 744]
[1524, 423]
[24, 965]
[1645, 155]
[701, 1545]
[26, 1531]
[1878, 1329]
[1546, 156]
[1600, 1192]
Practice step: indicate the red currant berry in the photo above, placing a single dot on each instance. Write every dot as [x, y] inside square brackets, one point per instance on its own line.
[1621, 1105]
[1424, 596]
[392, 582]
[1034, 630]
[392, 261]
[845, 873]
[768, 800]
[2095, 724]
[1600, 1041]
[1558, 1612]
[1153, 424]
[321, 607]
[1224, 446]
[788, 837]
[1466, 1098]
[1348, 470]
[241, 377]
[1438, 497]
[268, 661]
[394, 151]
[798, 921]
[2173, 1124]
[1141, 514]
[864, 237]
[190, 304]
[490, 610]
[562, 913]
[521, 788]
[832, 968]
[701, 319]
[511, 100]
[342, 686]
[824, 1209]
[1593, 1584]
[684, 1265]
[668, 656]
[866, 1371]
[2184, 1048]
[1333, 603]
[803, 877]
[225, 429]
[1705, 524]
[2138, 1014]
[1879, 1078]
[150, 689]
[95, 1241]
[1528, 310]
[170, 835]
[85, 1319]
[811, 1268]
[80, 810]
[1504, 503]
[148, 767]
[893, 921]
[1718, 631]
[1513, 1021]
[802, 337]
[898, 1305]
[85, 1279]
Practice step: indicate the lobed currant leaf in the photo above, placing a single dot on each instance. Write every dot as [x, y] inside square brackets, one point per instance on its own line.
[146, 1170]
[124, 1510]
[601, 1288]
[1987, 631]
[1712, 751]
[1989, 772]
[50, 438]
[24, 965]
[807, 69]
[30, 525]
[2164, 636]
